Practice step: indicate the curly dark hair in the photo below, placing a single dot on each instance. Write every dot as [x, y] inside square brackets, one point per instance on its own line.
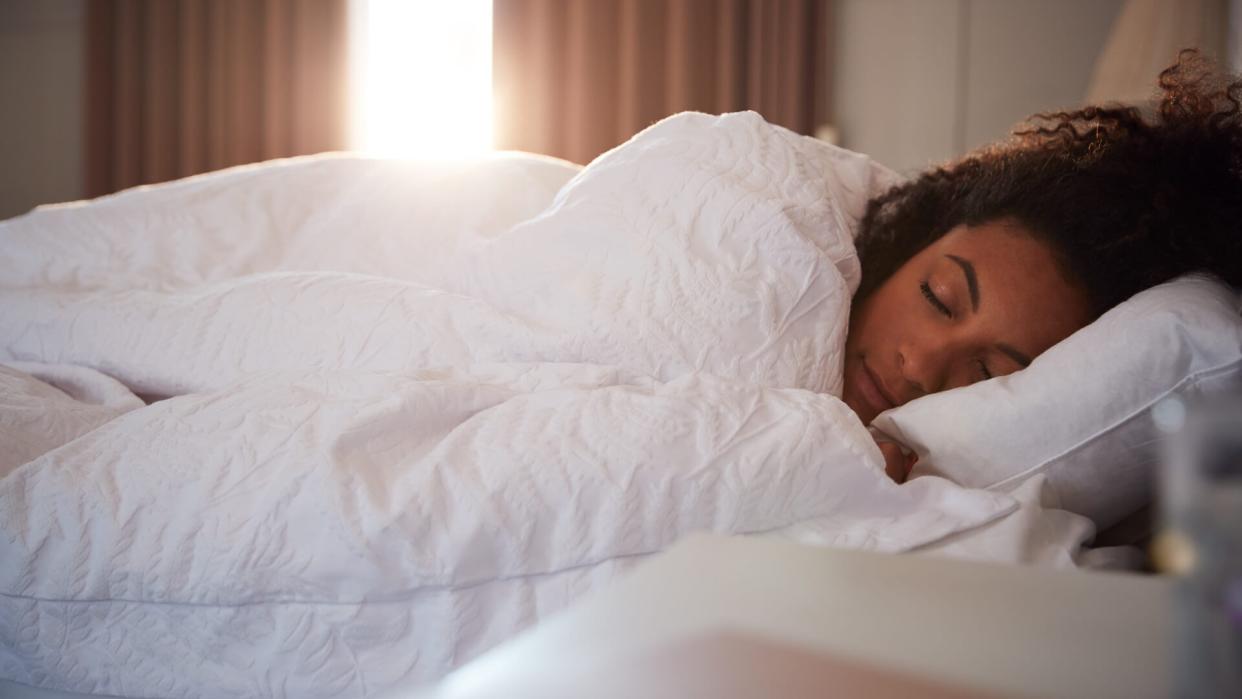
[1125, 201]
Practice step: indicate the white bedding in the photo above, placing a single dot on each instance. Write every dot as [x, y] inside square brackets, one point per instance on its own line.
[416, 409]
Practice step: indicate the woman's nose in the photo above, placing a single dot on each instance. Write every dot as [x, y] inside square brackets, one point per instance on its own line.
[923, 366]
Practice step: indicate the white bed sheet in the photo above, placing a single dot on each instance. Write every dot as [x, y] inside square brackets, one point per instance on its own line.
[417, 409]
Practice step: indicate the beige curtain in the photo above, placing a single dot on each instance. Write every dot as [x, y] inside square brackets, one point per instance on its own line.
[177, 87]
[574, 78]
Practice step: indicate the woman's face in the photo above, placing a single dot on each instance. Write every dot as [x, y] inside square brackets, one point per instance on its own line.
[979, 302]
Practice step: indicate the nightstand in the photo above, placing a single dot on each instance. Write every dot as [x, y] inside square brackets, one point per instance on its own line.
[739, 617]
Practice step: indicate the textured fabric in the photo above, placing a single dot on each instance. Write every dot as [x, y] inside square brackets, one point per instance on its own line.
[40, 415]
[399, 433]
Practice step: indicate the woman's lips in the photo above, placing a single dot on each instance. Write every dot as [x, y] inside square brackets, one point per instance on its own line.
[873, 390]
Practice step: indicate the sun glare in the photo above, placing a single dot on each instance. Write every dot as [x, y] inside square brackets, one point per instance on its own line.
[422, 76]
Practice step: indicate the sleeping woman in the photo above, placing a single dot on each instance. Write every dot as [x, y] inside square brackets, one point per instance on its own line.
[405, 433]
[973, 269]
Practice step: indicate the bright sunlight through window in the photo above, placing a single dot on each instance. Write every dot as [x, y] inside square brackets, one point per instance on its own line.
[422, 77]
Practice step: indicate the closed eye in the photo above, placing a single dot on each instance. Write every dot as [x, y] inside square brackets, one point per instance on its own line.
[934, 301]
[983, 368]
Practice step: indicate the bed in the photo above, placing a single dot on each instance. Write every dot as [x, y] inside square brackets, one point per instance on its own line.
[329, 425]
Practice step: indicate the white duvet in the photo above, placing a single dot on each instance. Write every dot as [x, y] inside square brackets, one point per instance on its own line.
[409, 410]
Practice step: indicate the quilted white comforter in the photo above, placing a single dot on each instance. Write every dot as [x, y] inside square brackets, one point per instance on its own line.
[408, 410]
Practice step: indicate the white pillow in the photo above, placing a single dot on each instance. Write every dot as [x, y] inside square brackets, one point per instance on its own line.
[1081, 411]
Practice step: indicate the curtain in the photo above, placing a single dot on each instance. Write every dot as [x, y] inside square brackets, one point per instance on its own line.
[177, 87]
[574, 78]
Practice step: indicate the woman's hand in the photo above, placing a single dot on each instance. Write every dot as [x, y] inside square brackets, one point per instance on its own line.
[896, 463]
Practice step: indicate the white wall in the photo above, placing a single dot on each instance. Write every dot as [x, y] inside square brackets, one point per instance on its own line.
[921, 81]
[41, 67]
[896, 78]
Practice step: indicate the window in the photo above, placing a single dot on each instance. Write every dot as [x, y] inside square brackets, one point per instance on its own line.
[421, 72]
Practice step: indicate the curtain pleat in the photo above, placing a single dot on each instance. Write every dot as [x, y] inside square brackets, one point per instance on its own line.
[160, 108]
[573, 78]
[276, 97]
[191, 86]
[177, 87]
[127, 121]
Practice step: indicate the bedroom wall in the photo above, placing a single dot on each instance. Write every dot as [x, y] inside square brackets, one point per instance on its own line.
[41, 86]
[920, 81]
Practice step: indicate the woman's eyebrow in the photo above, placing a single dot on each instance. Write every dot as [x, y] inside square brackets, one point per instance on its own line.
[972, 281]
